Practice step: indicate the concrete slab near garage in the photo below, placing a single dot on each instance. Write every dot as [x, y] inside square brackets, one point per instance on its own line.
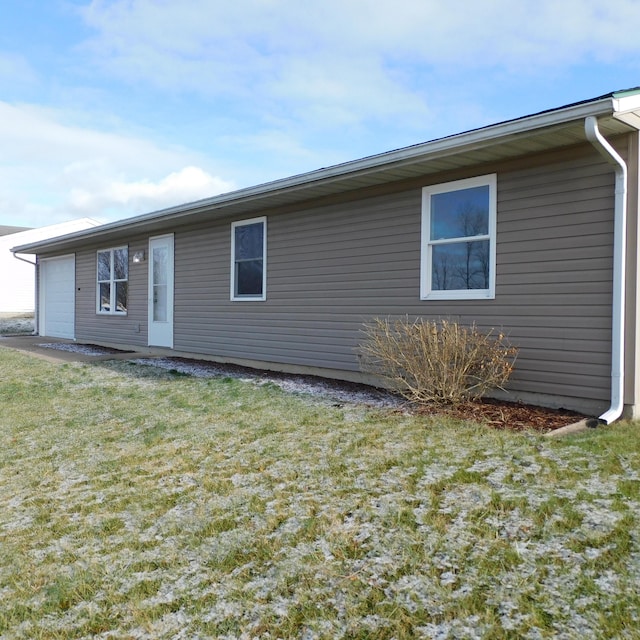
[32, 344]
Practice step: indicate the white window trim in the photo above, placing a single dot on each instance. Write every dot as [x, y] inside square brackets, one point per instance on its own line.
[242, 223]
[112, 282]
[426, 244]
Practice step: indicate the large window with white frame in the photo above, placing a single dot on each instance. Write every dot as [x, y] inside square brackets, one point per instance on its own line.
[249, 259]
[112, 280]
[459, 240]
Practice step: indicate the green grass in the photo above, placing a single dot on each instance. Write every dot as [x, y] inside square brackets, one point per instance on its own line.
[135, 503]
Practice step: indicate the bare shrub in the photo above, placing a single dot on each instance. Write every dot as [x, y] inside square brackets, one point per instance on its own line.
[436, 361]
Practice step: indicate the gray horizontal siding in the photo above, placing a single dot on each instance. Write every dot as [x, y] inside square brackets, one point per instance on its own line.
[555, 240]
[102, 328]
[332, 268]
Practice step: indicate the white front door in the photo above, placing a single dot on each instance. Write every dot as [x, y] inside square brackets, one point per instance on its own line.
[161, 291]
[57, 285]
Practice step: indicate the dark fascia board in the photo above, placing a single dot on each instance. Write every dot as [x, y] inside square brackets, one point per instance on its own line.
[296, 186]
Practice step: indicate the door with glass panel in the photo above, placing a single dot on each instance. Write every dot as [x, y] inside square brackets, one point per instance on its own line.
[161, 291]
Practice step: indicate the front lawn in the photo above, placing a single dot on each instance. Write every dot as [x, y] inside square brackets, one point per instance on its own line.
[138, 503]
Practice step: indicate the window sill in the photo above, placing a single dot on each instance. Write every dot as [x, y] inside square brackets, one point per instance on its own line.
[459, 295]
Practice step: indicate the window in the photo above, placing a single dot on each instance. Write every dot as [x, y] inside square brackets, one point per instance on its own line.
[248, 259]
[113, 276]
[459, 240]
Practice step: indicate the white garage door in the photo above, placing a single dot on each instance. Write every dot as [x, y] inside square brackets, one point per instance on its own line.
[57, 297]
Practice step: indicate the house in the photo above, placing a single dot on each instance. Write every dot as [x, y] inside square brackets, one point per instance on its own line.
[528, 226]
[12, 302]
[6, 230]
[17, 276]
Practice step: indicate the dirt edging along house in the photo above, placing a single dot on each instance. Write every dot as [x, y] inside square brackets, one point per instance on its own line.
[528, 226]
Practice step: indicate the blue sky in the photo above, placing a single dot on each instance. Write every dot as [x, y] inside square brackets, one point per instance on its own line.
[112, 108]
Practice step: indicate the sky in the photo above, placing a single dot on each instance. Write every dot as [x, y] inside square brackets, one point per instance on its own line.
[113, 108]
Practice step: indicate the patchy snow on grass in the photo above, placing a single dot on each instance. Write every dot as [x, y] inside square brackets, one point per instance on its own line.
[84, 349]
[16, 325]
[140, 505]
[290, 383]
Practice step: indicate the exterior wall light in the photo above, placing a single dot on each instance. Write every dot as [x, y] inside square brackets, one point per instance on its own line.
[138, 257]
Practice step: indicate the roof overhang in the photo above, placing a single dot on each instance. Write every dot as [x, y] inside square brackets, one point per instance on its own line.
[617, 114]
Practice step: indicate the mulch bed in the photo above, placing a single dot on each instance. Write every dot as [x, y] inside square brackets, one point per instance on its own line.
[515, 416]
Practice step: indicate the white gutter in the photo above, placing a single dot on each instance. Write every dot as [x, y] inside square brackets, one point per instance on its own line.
[17, 257]
[619, 259]
[35, 315]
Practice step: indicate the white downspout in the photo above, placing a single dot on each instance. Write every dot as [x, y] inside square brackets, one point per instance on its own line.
[36, 311]
[619, 272]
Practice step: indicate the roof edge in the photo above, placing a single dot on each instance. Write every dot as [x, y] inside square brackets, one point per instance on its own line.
[474, 138]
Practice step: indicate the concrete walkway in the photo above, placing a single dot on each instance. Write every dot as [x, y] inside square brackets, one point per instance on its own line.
[30, 344]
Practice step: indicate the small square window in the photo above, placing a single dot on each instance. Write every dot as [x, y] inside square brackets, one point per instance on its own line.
[458, 240]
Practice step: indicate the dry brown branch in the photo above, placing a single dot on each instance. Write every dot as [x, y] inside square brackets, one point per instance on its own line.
[436, 361]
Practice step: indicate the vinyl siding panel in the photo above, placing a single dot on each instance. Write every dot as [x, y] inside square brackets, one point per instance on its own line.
[331, 268]
[102, 328]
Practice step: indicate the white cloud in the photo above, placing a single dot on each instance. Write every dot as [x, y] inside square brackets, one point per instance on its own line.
[188, 184]
[51, 171]
[330, 92]
[313, 68]
[278, 87]
[222, 48]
